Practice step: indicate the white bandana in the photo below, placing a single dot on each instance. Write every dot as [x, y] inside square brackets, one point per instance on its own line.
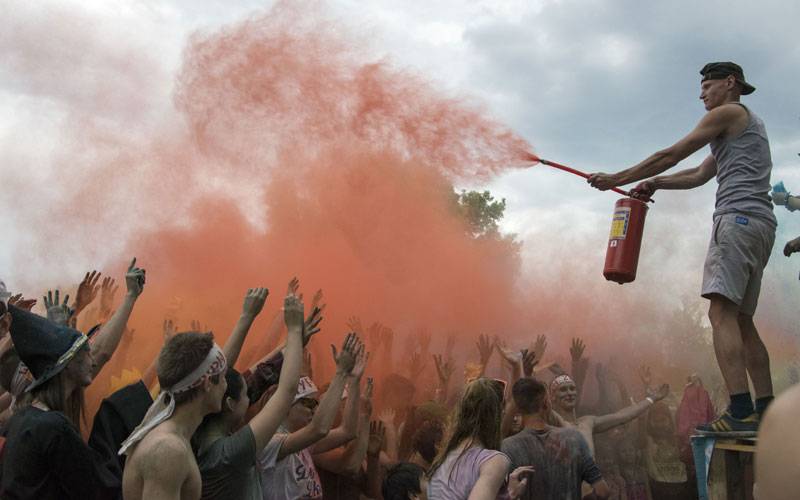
[559, 381]
[160, 410]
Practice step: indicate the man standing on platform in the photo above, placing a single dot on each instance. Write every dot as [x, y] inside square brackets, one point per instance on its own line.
[742, 236]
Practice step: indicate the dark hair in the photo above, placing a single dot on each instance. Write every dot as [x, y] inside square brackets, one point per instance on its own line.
[427, 439]
[529, 395]
[234, 391]
[179, 357]
[401, 481]
[51, 393]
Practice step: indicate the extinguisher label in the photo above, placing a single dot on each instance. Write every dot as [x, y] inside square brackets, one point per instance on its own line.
[619, 224]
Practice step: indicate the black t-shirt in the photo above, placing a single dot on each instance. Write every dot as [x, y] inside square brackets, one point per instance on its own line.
[45, 457]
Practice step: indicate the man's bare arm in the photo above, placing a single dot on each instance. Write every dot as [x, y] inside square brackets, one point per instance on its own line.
[712, 125]
[625, 415]
[689, 178]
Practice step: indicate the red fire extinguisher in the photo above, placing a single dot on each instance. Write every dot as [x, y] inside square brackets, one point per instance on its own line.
[625, 240]
[627, 227]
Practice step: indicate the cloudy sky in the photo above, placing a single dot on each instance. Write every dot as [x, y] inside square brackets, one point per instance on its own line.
[596, 84]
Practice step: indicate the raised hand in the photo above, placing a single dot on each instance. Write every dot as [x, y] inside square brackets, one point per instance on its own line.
[485, 348]
[346, 359]
[57, 311]
[169, 329]
[293, 287]
[87, 291]
[577, 349]
[317, 299]
[293, 313]
[417, 364]
[362, 357]
[660, 393]
[511, 356]
[19, 301]
[366, 399]
[529, 362]
[377, 434]
[254, 301]
[108, 289]
[354, 325]
[539, 347]
[311, 324]
[443, 369]
[134, 279]
[196, 326]
[387, 416]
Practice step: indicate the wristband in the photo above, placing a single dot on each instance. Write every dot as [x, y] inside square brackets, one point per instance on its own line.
[648, 398]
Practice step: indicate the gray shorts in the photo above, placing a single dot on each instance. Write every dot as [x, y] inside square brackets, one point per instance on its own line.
[737, 255]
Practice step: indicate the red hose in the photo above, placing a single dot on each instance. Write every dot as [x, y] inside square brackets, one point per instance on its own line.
[571, 170]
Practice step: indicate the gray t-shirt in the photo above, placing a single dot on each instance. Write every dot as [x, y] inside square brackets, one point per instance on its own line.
[292, 478]
[228, 468]
[561, 458]
[744, 165]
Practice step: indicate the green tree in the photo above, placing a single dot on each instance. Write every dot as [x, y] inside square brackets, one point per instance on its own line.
[481, 211]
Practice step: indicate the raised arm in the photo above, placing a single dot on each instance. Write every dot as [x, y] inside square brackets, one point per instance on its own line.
[253, 304]
[107, 339]
[323, 418]
[625, 415]
[266, 421]
[349, 428]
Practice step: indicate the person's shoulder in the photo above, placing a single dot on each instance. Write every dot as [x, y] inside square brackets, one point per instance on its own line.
[162, 450]
[727, 111]
[498, 463]
[31, 417]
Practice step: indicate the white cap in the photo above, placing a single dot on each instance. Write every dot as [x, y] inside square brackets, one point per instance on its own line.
[305, 388]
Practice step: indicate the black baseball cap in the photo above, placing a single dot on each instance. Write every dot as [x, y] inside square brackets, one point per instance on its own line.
[720, 70]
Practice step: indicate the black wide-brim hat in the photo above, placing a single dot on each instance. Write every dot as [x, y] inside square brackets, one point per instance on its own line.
[720, 70]
[45, 347]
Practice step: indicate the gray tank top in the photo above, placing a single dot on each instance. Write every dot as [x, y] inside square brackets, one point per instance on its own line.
[744, 165]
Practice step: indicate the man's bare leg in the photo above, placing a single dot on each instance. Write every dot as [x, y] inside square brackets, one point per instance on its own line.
[728, 344]
[756, 356]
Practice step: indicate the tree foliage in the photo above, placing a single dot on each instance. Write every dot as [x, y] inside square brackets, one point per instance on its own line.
[481, 211]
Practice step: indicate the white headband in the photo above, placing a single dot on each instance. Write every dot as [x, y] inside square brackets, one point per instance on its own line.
[161, 410]
[560, 380]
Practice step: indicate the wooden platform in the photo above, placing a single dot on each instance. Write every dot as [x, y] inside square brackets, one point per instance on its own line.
[729, 466]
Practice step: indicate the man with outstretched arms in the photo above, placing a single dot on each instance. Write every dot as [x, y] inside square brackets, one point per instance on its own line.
[564, 397]
[741, 238]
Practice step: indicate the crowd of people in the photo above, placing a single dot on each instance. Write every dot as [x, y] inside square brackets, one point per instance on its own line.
[194, 426]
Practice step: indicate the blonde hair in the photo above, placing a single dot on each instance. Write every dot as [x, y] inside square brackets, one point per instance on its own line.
[475, 420]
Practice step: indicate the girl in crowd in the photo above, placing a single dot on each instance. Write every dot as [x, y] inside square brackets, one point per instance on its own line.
[469, 464]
